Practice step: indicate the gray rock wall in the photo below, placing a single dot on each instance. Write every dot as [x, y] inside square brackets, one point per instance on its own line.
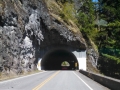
[25, 27]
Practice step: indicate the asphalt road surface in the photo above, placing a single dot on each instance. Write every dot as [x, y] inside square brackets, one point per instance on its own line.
[52, 80]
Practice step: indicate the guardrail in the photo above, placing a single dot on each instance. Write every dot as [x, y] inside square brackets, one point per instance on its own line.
[111, 83]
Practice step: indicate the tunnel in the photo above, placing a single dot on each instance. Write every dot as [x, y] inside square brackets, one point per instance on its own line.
[59, 59]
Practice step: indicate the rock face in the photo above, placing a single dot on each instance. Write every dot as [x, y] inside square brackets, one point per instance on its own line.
[25, 27]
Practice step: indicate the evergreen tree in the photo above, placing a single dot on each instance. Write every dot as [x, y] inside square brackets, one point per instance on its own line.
[108, 37]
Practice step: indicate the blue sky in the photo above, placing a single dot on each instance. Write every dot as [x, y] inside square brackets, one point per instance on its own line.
[95, 0]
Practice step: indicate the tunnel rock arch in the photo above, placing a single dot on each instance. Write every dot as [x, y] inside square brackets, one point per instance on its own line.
[52, 60]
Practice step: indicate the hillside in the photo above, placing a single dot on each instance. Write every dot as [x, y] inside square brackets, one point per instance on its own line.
[99, 24]
[26, 27]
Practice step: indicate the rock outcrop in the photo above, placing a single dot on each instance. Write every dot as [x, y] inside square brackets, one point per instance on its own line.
[25, 27]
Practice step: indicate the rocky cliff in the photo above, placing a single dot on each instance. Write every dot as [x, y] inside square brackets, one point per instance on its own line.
[27, 26]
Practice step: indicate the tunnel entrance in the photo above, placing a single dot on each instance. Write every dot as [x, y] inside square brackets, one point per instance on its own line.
[59, 59]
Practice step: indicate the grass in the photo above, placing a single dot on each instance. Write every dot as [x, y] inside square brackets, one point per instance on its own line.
[63, 13]
[11, 75]
[53, 6]
[2, 6]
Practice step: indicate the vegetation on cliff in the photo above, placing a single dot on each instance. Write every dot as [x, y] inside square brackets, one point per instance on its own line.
[108, 37]
[98, 21]
[104, 32]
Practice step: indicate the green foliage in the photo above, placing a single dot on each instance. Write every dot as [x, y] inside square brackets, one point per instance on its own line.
[108, 38]
[112, 58]
[115, 24]
[101, 22]
[68, 12]
[65, 63]
[86, 17]
[109, 65]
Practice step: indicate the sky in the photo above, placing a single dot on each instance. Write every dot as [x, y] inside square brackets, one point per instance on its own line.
[95, 0]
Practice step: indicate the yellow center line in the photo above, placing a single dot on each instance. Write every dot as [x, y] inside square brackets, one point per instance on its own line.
[44, 82]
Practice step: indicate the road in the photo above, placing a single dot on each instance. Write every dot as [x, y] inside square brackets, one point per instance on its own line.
[52, 80]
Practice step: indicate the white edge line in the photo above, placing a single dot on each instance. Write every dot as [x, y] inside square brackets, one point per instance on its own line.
[16, 78]
[83, 81]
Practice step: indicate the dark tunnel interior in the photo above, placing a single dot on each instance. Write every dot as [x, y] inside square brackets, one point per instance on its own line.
[53, 60]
